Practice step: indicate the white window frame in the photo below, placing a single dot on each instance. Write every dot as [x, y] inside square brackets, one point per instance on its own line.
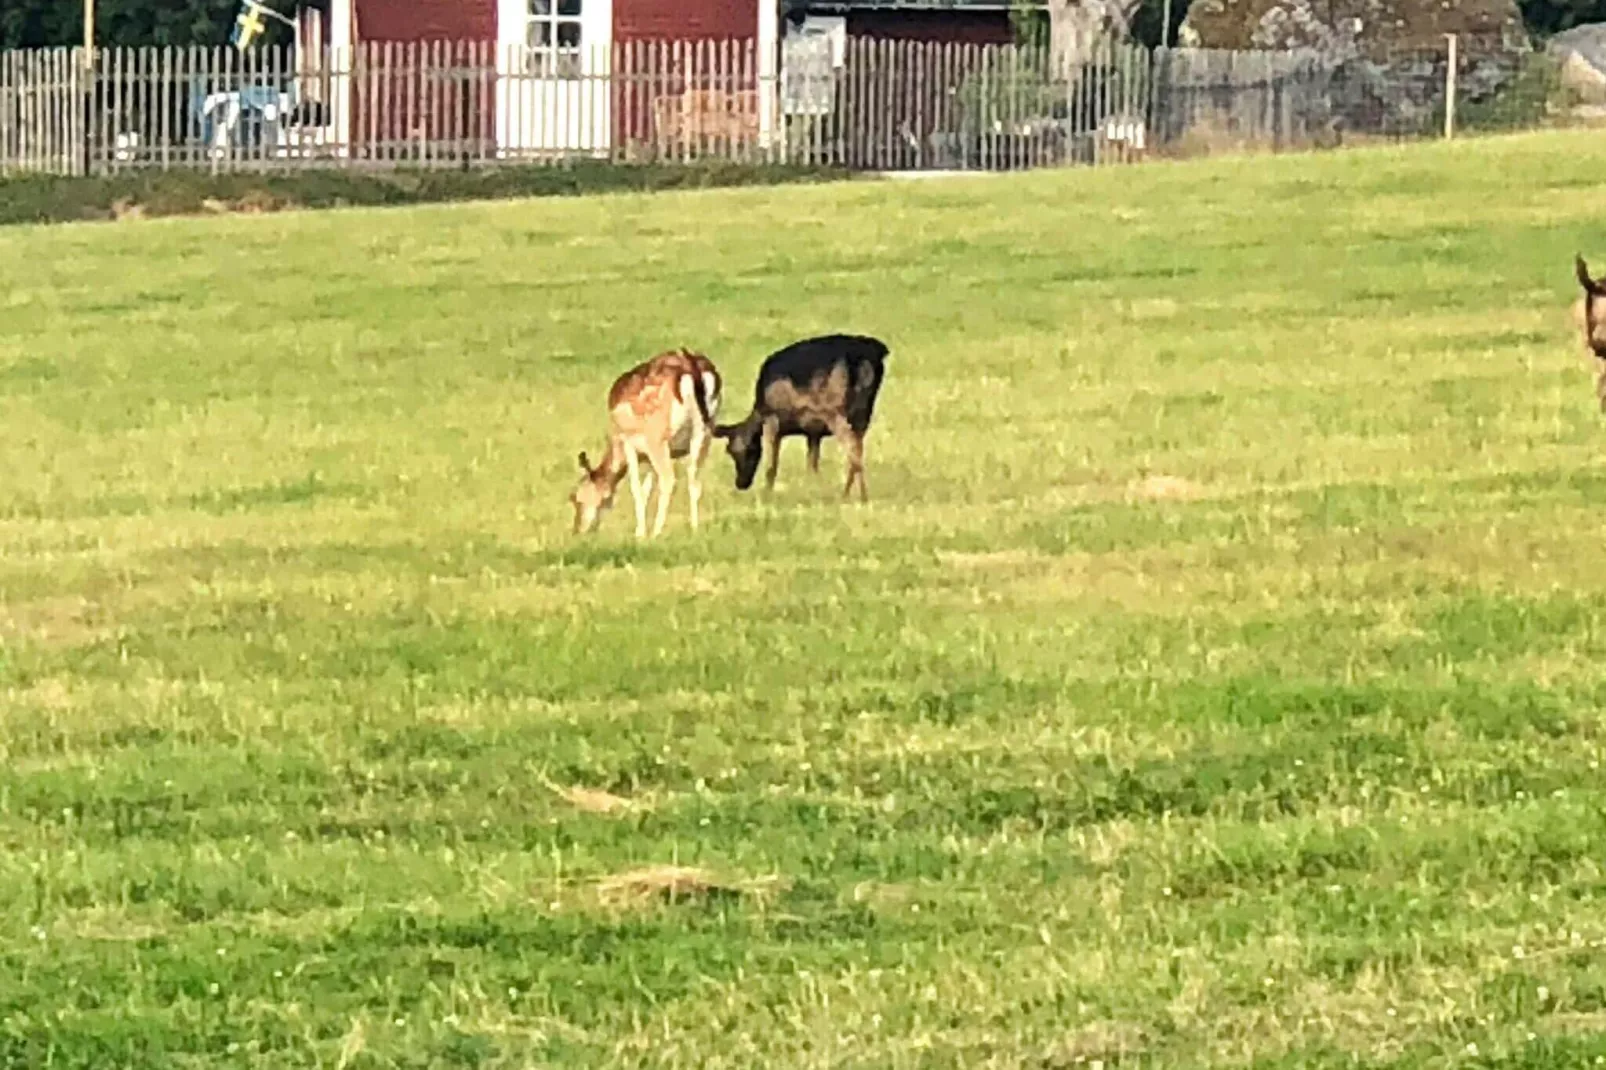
[547, 24]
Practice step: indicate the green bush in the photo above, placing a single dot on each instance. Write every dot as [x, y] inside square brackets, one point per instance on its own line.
[54, 199]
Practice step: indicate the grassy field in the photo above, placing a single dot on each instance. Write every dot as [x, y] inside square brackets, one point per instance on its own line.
[1213, 679]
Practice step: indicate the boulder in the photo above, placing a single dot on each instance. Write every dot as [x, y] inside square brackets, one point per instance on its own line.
[1387, 58]
[1581, 54]
[1376, 26]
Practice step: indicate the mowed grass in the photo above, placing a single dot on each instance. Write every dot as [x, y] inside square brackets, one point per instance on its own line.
[1214, 678]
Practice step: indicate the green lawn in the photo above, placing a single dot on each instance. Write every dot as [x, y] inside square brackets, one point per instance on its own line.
[1213, 679]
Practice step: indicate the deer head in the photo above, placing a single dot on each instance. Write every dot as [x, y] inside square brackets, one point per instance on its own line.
[592, 496]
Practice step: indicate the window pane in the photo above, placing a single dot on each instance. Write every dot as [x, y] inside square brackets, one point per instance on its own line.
[568, 35]
[540, 34]
[569, 7]
[540, 7]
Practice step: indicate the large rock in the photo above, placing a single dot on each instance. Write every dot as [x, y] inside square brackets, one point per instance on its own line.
[1581, 53]
[1376, 26]
[1388, 58]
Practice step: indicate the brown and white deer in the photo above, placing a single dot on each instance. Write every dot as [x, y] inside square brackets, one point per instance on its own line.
[1590, 315]
[661, 410]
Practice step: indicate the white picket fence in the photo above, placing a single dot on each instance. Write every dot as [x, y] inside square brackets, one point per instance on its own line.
[883, 105]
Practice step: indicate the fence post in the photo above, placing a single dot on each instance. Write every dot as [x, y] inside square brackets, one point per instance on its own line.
[1449, 90]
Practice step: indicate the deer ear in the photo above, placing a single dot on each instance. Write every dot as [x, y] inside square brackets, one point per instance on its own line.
[1590, 285]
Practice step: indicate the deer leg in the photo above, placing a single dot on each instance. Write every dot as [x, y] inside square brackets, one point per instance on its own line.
[814, 454]
[695, 458]
[856, 459]
[664, 465]
[772, 446]
[853, 444]
[636, 492]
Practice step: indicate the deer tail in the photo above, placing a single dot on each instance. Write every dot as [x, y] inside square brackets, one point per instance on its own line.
[699, 391]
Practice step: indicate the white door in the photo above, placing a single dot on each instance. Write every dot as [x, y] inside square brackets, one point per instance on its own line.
[553, 92]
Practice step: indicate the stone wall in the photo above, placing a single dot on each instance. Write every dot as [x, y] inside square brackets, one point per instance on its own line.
[1387, 58]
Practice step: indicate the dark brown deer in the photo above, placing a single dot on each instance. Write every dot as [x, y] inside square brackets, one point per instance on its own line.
[818, 388]
[1590, 314]
[662, 409]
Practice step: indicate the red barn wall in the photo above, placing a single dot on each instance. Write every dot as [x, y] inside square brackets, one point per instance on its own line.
[393, 106]
[425, 20]
[725, 60]
[960, 27]
[684, 20]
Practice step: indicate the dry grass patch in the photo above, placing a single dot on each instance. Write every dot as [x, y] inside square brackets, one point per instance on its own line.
[1012, 559]
[887, 896]
[53, 694]
[1164, 488]
[1100, 1043]
[594, 800]
[55, 622]
[112, 925]
[672, 883]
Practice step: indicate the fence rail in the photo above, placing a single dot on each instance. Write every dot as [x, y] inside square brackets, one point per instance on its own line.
[883, 105]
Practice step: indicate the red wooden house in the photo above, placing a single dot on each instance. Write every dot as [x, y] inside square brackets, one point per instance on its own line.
[543, 76]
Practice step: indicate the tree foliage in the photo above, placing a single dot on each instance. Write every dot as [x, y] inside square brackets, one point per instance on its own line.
[42, 23]
[1545, 17]
[37, 23]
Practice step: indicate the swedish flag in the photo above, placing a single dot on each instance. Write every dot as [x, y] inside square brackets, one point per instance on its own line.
[248, 26]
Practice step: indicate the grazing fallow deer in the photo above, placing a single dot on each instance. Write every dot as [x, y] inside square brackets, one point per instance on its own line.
[818, 388]
[662, 409]
[1590, 312]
